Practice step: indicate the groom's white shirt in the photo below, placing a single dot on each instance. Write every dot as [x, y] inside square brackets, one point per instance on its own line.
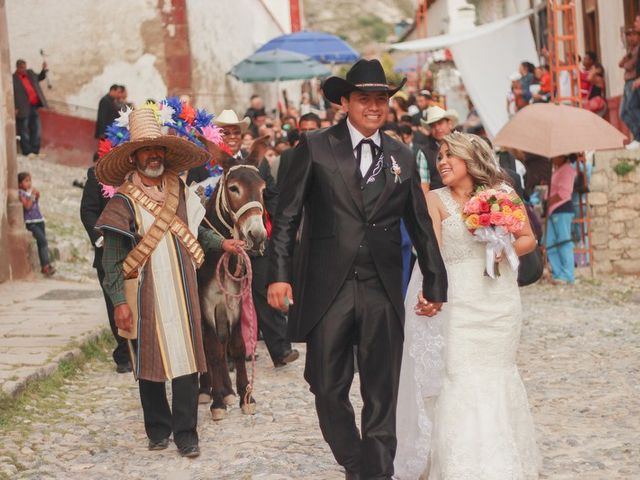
[366, 159]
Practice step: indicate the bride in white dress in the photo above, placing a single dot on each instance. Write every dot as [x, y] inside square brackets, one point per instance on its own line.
[462, 409]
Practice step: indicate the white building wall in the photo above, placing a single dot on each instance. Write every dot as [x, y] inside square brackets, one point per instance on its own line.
[90, 45]
[221, 37]
[611, 20]
[438, 18]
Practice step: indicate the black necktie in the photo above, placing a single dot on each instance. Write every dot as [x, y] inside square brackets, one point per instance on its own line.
[374, 150]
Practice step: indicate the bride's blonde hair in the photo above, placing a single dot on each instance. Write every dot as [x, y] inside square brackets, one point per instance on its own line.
[482, 164]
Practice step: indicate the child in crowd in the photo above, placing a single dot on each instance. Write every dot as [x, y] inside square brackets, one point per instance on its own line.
[34, 220]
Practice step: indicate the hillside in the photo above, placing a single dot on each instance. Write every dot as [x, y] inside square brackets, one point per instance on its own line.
[359, 22]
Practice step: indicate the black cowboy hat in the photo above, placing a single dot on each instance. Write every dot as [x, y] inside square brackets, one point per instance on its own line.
[364, 76]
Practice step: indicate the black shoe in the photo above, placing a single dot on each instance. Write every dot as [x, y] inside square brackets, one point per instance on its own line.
[288, 357]
[351, 475]
[159, 445]
[123, 367]
[189, 451]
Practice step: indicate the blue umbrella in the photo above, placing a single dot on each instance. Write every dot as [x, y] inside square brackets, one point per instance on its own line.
[407, 64]
[320, 46]
[276, 65]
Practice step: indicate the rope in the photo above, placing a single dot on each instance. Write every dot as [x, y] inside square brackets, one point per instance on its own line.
[233, 301]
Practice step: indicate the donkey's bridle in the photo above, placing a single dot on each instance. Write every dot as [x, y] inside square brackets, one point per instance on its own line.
[222, 203]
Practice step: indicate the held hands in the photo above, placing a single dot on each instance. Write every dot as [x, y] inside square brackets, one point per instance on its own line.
[280, 296]
[123, 317]
[427, 308]
[233, 246]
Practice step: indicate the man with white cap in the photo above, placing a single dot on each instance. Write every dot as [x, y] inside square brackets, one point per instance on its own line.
[441, 123]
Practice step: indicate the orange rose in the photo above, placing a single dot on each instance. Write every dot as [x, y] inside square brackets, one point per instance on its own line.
[472, 221]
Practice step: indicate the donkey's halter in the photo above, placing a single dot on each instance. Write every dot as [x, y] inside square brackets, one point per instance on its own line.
[222, 203]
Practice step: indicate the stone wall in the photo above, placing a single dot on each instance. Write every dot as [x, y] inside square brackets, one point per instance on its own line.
[615, 213]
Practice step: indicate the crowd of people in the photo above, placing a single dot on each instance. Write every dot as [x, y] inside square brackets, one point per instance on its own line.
[531, 84]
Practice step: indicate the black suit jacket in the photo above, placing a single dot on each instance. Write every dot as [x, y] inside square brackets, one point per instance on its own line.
[271, 190]
[20, 97]
[322, 178]
[107, 113]
[283, 168]
[91, 207]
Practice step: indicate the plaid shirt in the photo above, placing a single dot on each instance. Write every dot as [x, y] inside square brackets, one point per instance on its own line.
[423, 167]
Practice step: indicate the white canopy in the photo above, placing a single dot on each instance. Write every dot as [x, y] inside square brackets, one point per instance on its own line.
[446, 41]
[485, 57]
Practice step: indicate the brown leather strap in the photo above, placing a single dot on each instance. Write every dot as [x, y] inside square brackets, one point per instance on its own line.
[165, 219]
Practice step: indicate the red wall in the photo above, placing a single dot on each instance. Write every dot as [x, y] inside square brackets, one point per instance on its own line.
[66, 139]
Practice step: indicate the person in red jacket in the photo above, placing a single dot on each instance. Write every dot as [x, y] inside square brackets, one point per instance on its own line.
[28, 98]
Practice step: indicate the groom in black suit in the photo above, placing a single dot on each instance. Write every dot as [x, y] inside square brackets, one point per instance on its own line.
[355, 184]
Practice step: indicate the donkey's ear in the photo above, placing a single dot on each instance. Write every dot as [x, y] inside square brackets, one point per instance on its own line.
[258, 150]
[219, 156]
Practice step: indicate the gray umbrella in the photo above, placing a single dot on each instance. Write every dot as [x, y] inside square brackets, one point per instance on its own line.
[277, 65]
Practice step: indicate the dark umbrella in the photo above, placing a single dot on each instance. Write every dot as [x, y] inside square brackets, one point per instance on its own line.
[320, 46]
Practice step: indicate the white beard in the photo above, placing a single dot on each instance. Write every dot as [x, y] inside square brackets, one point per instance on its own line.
[152, 172]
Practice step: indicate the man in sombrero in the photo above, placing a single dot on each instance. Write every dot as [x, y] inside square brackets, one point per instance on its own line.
[153, 244]
[354, 185]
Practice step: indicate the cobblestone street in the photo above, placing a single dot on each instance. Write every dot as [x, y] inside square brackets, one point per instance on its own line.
[579, 360]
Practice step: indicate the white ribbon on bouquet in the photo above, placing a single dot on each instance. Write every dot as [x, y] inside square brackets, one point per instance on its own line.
[498, 240]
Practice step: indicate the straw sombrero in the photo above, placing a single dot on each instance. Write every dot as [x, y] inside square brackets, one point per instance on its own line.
[144, 132]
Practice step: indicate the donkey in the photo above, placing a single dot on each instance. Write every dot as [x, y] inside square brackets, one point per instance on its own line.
[236, 206]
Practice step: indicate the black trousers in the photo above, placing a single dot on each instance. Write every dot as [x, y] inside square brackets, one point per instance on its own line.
[181, 419]
[360, 315]
[121, 352]
[271, 322]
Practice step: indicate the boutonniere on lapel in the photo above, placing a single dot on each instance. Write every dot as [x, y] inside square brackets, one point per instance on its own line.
[395, 169]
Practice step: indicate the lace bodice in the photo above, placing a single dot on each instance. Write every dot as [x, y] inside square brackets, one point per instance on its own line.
[458, 244]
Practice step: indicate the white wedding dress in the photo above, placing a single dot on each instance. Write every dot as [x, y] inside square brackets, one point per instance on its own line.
[463, 412]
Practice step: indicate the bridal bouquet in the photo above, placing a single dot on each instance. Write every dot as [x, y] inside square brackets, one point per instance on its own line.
[492, 216]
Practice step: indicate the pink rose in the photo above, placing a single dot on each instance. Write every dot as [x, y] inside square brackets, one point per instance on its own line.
[485, 220]
[497, 218]
[472, 206]
[512, 224]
